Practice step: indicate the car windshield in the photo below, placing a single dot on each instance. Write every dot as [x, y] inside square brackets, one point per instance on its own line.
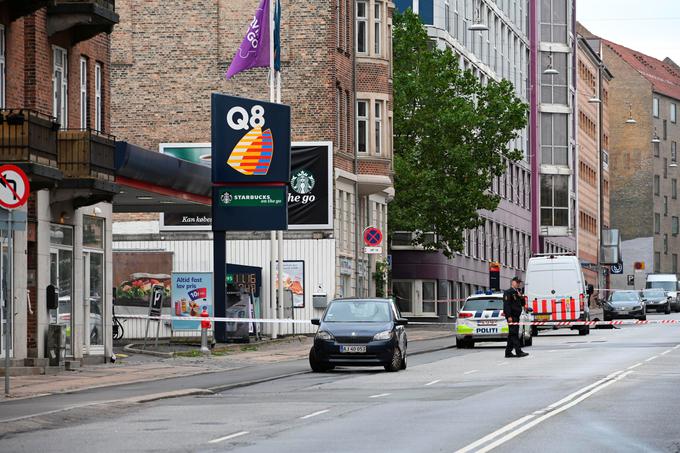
[358, 311]
[624, 296]
[667, 285]
[483, 304]
[653, 293]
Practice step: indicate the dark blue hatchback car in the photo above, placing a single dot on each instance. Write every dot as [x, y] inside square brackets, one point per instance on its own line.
[359, 332]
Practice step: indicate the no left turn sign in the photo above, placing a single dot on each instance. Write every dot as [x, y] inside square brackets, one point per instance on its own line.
[14, 187]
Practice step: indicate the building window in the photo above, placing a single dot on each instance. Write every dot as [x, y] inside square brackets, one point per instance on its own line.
[657, 223]
[447, 17]
[657, 149]
[554, 20]
[554, 89]
[83, 93]
[657, 184]
[555, 138]
[675, 226]
[674, 112]
[665, 168]
[674, 152]
[98, 96]
[378, 126]
[60, 85]
[348, 122]
[554, 200]
[362, 126]
[377, 27]
[674, 188]
[655, 107]
[2, 67]
[665, 206]
[657, 262]
[362, 27]
[665, 244]
[675, 263]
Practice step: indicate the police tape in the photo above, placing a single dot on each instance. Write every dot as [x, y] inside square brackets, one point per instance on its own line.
[619, 322]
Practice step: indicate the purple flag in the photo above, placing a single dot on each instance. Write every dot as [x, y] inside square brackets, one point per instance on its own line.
[254, 50]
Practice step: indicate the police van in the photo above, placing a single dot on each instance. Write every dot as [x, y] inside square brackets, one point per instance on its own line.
[556, 291]
[481, 319]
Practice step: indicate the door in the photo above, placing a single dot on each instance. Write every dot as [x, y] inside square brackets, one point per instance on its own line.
[93, 302]
[428, 302]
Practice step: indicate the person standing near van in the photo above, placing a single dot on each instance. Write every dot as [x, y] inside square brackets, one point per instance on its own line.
[512, 308]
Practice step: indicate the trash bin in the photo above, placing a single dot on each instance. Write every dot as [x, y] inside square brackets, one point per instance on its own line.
[56, 344]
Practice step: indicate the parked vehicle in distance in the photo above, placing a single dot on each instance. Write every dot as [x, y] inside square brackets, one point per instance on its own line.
[359, 332]
[625, 304]
[556, 291]
[667, 282]
[656, 299]
[482, 319]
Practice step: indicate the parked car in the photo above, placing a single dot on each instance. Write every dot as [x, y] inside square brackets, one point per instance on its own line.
[625, 304]
[667, 282]
[656, 299]
[359, 332]
[481, 319]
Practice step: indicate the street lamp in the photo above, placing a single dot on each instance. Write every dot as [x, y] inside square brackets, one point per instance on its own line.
[630, 119]
[594, 99]
[550, 70]
[478, 25]
[656, 138]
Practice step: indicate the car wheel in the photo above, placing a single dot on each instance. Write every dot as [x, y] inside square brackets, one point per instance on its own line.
[668, 309]
[529, 341]
[534, 331]
[317, 366]
[396, 362]
[403, 362]
[606, 317]
[643, 317]
[584, 330]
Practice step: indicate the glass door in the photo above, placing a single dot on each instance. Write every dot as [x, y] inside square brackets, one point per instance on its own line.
[93, 303]
[61, 276]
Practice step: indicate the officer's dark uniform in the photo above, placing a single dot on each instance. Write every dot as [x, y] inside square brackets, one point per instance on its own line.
[512, 308]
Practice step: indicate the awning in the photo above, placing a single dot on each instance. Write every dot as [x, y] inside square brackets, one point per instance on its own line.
[153, 182]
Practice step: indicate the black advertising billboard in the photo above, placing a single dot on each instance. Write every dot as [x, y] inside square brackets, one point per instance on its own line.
[310, 190]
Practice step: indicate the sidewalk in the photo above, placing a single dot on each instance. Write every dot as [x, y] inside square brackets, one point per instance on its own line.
[134, 368]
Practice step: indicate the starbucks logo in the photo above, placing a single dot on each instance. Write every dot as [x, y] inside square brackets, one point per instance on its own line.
[302, 182]
[226, 198]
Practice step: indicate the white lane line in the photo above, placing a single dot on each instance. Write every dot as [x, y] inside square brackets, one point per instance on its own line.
[651, 358]
[551, 413]
[634, 366]
[552, 350]
[676, 347]
[666, 352]
[433, 382]
[230, 436]
[314, 414]
[471, 371]
[502, 363]
[495, 434]
[379, 395]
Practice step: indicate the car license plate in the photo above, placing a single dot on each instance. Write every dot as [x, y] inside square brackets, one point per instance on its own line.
[352, 348]
[487, 323]
[542, 317]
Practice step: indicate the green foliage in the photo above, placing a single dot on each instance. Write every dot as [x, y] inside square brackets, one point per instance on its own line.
[380, 277]
[451, 139]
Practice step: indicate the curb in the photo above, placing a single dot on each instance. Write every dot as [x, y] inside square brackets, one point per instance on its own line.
[130, 348]
[167, 395]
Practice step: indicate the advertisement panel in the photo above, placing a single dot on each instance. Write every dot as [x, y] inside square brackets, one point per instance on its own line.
[310, 190]
[191, 291]
[294, 281]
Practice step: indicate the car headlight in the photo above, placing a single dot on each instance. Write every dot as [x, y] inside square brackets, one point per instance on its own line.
[323, 335]
[386, 335]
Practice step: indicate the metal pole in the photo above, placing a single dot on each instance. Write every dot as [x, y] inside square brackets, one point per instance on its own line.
[600, 194]
[6, 327]
[534, 154]
[280, 258]
[272, 282]
[220, 273]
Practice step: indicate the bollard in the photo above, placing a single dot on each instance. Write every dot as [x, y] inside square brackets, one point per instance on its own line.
[205, 325]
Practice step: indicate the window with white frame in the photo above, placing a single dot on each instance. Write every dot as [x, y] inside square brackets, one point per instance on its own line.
[83, 93]
[98, 96]
[674, 112]
[378, 118]
[447, 16]
[655, 107]
[362, 27]
[377, 27]
[362, 126]
[60, 85]
[2, 66]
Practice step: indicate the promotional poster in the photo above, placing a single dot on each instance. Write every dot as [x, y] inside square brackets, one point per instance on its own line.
[191, 291]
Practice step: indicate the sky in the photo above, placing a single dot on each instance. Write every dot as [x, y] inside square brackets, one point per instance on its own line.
[648, 26]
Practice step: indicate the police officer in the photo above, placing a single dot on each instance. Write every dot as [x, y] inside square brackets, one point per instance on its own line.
[513, 301]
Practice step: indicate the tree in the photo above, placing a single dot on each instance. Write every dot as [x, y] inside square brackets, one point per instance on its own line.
[451, 136]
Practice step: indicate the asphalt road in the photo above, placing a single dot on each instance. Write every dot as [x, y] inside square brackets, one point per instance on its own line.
[614, 390]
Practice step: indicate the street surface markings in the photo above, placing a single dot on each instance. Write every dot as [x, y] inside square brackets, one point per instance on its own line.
[676, 347]
[529, 421]
[230, 436]
[471, 371]
[652, 358]
[666, 352]
[314, 414]
[433, 382]
[379, 395]
[502, 363]
[634, 366]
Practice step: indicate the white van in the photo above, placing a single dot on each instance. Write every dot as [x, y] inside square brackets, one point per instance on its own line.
[556, 290]
[667, 282]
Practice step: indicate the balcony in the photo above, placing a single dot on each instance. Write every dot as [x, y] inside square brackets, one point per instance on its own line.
[84, 18]
[27, 136]
[86, 154]
[21, 8]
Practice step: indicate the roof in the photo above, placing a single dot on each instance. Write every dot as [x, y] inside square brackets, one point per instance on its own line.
[663, 75]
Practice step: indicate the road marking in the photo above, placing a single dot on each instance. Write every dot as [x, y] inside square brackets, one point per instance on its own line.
[471, 371]
[634, 366]
[666, 352]
[503, 363]
[652, 358]
[529, 421]
[552, 350]
[314, 414]
[433, 382]
[379, 395]
[230, 436]
[676, 347]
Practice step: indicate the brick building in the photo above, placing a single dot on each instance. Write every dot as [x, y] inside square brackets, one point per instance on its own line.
[592, 103]
[54, 101]
[644, 99]
[167, 57]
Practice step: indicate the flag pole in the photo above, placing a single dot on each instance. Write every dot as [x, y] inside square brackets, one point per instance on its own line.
[272, 235]
[273, 10]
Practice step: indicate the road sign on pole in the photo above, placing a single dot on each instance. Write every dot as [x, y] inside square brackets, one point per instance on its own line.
[372, 237]
[14, 187]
